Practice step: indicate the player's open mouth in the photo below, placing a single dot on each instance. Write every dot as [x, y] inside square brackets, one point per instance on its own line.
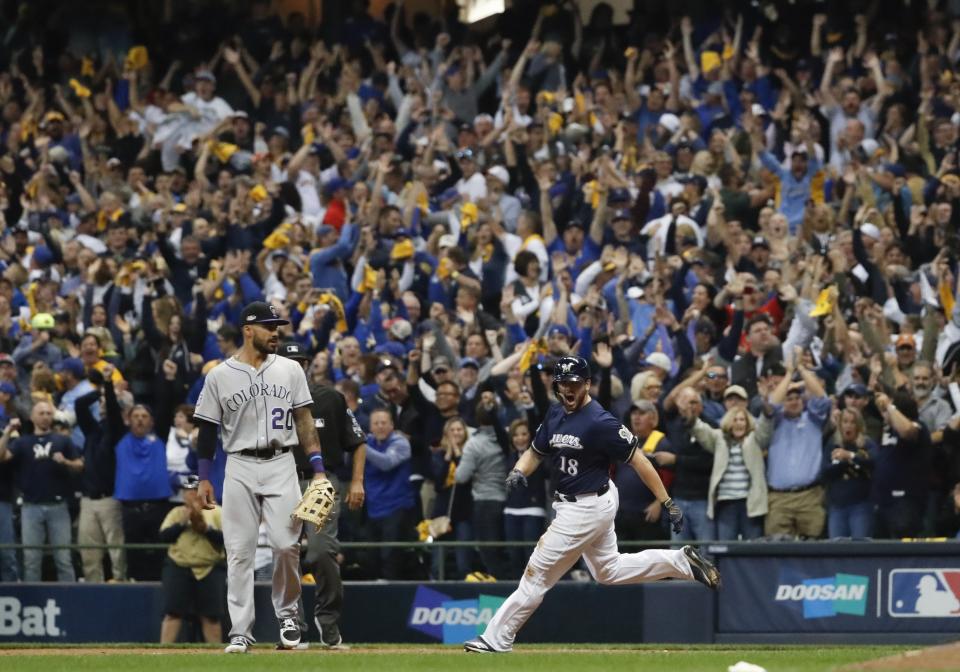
[569, 398]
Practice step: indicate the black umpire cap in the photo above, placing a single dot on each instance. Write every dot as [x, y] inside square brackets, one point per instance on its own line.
[260, 312]
[293, 350]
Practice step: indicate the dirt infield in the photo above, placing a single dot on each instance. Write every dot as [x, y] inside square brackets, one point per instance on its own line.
[943, 657]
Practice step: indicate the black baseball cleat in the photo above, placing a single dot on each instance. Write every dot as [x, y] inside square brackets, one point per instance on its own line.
[330, 636]
[703, 570]
[289, 633]
[479, 645]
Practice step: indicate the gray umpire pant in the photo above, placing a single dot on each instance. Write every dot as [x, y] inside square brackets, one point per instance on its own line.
[321, 560]
[255, 489]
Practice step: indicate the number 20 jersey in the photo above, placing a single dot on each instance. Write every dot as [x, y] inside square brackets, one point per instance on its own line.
[254, 407]
[583, 445]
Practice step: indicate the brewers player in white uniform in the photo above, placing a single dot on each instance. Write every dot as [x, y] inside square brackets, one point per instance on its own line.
[261, 403]
[584, 441]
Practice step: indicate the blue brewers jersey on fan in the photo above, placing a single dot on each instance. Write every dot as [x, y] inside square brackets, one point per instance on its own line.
[583, 444]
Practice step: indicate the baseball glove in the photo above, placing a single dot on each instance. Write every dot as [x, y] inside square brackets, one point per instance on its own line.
[316, 505]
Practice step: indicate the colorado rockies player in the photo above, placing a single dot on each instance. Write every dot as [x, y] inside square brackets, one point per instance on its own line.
[262, 405]
[584, 440]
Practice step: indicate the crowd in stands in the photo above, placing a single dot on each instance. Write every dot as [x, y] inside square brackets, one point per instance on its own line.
[745, 218]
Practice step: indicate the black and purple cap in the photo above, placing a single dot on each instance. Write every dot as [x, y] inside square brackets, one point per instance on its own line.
[260, 312]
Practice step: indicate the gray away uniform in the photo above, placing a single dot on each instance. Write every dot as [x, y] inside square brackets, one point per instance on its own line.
[254, 409]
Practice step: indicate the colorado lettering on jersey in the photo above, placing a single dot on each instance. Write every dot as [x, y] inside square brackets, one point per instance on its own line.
[560, 441]
[237, 400]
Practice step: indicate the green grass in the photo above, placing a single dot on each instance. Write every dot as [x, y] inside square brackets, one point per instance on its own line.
[391, 658]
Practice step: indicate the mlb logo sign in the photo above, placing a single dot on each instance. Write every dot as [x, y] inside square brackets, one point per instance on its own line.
[924, 593]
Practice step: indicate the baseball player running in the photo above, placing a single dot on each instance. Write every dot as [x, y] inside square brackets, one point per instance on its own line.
[584, 440]
[262, 405]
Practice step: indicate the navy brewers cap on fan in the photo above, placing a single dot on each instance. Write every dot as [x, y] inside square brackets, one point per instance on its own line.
[292, 350]
[260, 312]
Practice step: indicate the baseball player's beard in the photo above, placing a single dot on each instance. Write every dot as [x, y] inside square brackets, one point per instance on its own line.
[571, 399]
[266, 346]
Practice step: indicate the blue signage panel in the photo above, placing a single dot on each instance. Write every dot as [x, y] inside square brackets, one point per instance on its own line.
[838, 594]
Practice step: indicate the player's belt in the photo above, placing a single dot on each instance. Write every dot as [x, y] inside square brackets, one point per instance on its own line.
[802, 488]
[560, 497]
[265, 453]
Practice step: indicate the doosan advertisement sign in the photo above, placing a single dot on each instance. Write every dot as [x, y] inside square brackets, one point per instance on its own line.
[451, 621]
[827, 596]
[837, 594]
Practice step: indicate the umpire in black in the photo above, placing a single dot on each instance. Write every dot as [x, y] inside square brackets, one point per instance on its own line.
[339, 433]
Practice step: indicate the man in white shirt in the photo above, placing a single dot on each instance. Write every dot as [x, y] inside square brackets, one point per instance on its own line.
[472, 186]
[498, 179]
[202, 103]
[196, 114]
[304, 171]
[656, 229]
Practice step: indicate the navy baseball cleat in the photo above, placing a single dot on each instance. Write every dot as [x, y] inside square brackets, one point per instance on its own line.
[479, 645]
[703, 570]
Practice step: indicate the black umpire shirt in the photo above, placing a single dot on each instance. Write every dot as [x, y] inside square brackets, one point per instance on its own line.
[337, 428]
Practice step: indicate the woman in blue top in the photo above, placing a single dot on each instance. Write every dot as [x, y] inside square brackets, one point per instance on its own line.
[848, 474]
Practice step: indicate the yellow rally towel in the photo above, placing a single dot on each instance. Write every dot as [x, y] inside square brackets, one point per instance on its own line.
[650, 444]
[531, 239]
[79, 89]
[443, 269]
[946, 298]
[825, 302]
[369, 280]
[422, 201]
[709, 60]
[451, 475]
[336, 305]
[592, 193]
[104, 218]
[223, 150]
[278, 238]
[213, 275]
[468, 214]
[554, 122]
[28, 127]
[258, 193]
[137, 58]
[86, 67]
[308, 134]
[402, 250]
[532, 354]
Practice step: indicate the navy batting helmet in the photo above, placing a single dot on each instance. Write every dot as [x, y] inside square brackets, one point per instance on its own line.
[571, 369]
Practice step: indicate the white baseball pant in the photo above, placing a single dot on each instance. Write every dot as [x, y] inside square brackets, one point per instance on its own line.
[586, 528]
[253, 489]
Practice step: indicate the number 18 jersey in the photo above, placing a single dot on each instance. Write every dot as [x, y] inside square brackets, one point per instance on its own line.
[583, 445]
[254, 407]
